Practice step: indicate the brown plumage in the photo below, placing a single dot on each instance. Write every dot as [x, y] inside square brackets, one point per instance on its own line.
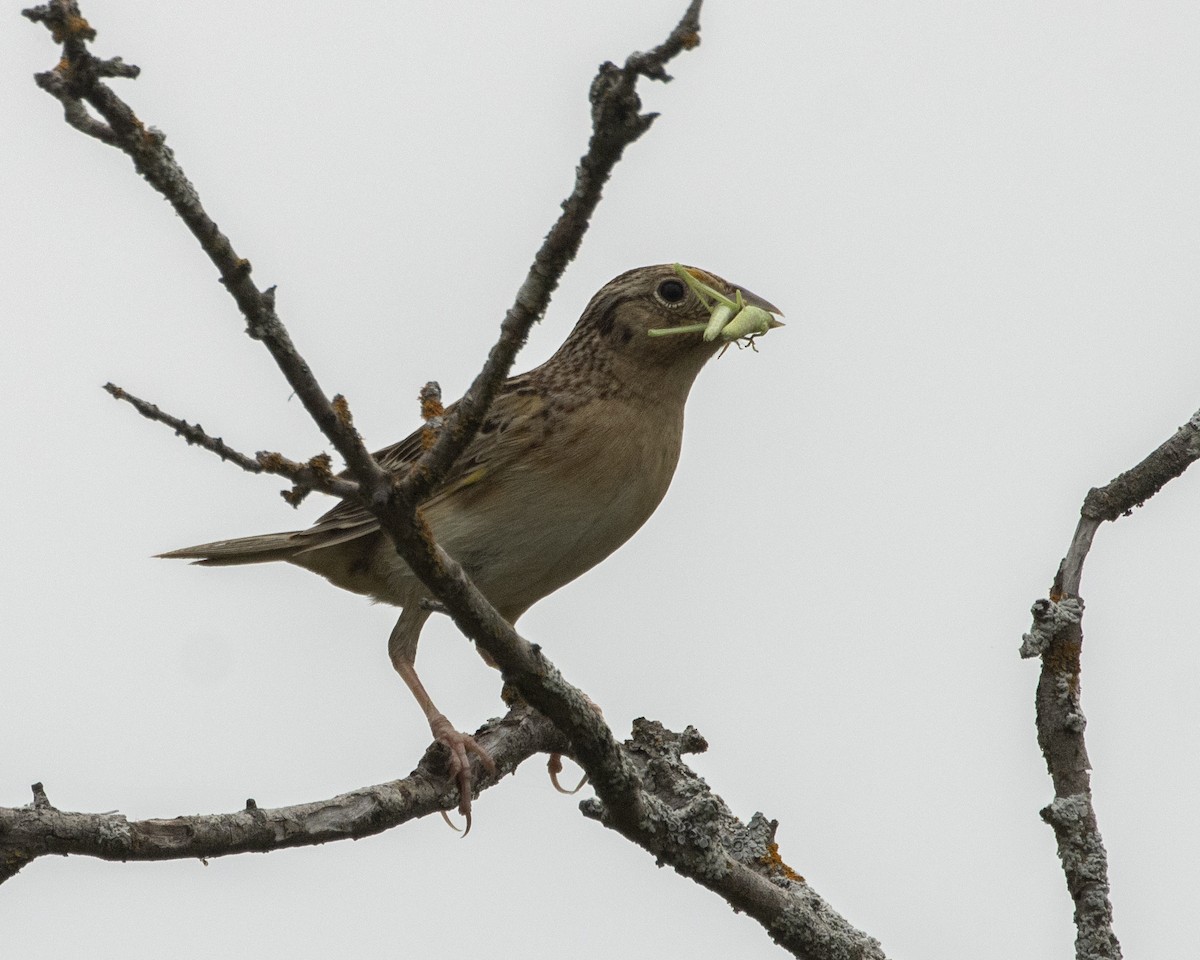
[571, 460]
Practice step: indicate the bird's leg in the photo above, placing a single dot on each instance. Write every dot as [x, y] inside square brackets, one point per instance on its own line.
[402, 648]
[509, 695]
[554, 763]
[554, 768]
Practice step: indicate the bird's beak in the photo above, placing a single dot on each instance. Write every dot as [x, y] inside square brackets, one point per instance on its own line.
[751, 298]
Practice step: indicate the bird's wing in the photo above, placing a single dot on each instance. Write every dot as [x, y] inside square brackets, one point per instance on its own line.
[498, 443]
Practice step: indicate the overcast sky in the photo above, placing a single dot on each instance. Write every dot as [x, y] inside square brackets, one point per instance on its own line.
[982, 222]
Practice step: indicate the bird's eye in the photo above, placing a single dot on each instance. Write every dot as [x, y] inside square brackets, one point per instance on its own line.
[672, 291]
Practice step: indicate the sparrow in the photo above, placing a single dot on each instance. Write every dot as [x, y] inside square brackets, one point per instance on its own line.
[571, 459]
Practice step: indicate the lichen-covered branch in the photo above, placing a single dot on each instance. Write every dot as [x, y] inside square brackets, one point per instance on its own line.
[38, 829]
[685, 825]
[1057, 637]
[1137, 485]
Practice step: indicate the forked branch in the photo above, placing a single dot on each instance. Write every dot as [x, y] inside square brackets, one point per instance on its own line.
[644, 790]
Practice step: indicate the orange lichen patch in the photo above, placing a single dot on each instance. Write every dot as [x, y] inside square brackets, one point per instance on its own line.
[432, 412]
[429, 433]
[426, 534]
[72, 28]
[321, 465]
[431, 406]
[775, 865]
[1064, 657]
[341, 408]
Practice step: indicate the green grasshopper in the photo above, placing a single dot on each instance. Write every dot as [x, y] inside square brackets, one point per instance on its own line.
[728, 319]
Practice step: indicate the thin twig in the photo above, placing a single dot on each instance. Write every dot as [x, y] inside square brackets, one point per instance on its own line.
[193, 433]
[617, 122]
[76, 80]
[1057, 637]
[315, 474]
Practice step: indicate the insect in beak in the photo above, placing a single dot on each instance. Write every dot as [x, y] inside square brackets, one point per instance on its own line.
[728, 319]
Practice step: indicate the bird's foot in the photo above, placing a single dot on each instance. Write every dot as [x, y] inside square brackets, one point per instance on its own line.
[461, 746]
[554, 766]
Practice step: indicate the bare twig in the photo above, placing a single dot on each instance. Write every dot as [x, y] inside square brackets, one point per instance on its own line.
[616, 123]
[76, 80]
[1137, 485]
[1057, 637]
[315, 474]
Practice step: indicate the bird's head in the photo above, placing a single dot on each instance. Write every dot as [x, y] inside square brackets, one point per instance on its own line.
[668, 318]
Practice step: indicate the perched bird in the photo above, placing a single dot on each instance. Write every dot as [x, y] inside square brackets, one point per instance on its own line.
[571, 460]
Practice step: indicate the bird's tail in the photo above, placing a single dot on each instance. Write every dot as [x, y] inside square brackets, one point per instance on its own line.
[265, 548]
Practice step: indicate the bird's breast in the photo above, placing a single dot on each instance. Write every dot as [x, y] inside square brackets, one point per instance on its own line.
[583, 488]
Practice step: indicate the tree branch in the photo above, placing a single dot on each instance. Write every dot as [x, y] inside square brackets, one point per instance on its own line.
[75, 81]
[1057, 637]
[640, 786]
[315, 474]
[616, 123]
[692, 829]
[37, 830]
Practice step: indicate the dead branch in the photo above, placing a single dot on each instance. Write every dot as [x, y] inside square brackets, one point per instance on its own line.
[697, 837]
[39, 829]
[1057, 637]
[314, 474]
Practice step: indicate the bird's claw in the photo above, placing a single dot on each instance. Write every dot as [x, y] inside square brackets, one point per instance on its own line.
[554, 766]
[460, 745]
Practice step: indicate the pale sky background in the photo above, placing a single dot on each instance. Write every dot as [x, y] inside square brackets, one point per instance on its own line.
[983, 224]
